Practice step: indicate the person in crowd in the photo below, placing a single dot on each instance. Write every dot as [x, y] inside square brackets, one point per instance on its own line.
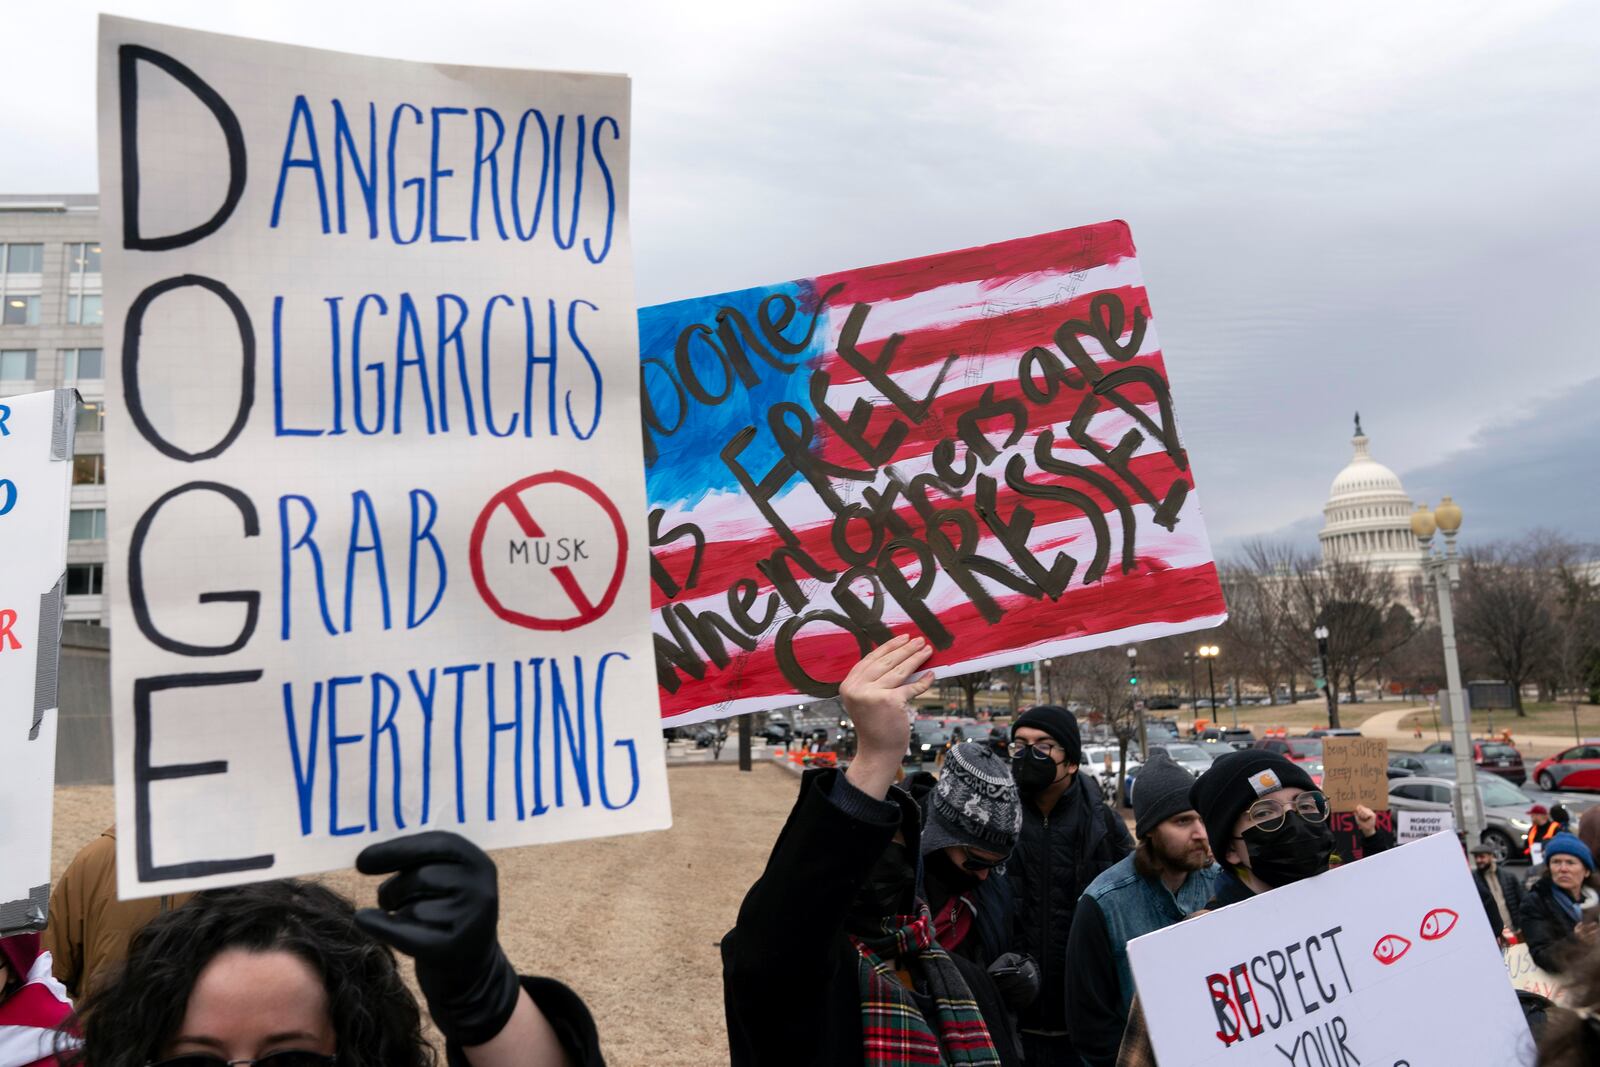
[34, 1007]
[1169, 875]
[832, 930]
[1268, 827]
[89, 928]
[970, 824]
[1561, 817]
[1542, 830]
[1589, 829]
[1554, 925]
[1571, 1033]
[1500, 890]
[1069, 836]
[289, 974]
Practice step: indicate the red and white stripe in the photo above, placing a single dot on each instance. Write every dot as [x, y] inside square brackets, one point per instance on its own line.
[29, 1019]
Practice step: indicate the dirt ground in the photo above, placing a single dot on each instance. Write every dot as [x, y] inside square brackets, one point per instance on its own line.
[631, 923]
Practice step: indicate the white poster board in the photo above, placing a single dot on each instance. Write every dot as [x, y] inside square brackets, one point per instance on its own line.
[35, 490]
[377, 535]
[1416, 825]
[1376, 962]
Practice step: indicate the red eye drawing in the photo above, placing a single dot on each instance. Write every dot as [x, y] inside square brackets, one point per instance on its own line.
[1437, 923]
[1390, 947]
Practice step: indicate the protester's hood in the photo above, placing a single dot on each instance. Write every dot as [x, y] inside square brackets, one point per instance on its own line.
[20, 950]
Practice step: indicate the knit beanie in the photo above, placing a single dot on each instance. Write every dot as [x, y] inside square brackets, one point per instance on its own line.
[1159, 792]
[1059, 723]
[1565, 844]
[1236, 781]
[975, 803]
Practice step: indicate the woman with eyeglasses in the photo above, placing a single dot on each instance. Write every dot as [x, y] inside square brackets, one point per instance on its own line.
[290, 974]
[1268, 827]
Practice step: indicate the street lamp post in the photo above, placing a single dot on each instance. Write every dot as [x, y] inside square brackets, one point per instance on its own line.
[1209, 654]
[1321, 634]
[1194, 688]
[1138, 709]
[1443, 572]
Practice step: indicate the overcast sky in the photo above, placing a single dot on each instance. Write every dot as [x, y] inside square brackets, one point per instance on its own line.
[1374, 206]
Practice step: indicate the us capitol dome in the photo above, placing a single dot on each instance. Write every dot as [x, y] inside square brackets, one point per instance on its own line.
[1367, 517]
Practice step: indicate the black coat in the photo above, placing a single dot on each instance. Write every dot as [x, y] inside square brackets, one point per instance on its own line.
[1056, 858]
[567, 1015]
[1511, 889]
[1547, 929]
[789, 974]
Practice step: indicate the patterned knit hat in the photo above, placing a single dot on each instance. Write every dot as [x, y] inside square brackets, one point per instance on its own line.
[975, 803]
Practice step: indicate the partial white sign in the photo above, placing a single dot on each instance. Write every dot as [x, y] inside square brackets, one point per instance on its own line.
[1415, 825]
[35, 489]
[377, 537]
[1374, 962]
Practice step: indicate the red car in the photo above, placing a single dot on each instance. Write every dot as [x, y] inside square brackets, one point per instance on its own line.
[1306, 751]
[1576, 768]
[1496, 757]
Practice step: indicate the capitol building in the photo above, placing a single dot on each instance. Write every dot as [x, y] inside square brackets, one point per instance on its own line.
[1367, 518]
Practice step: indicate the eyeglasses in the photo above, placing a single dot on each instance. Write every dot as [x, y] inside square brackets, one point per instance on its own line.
[975, 863]
[289, 1057]
[1039, 749]
[1267, 815]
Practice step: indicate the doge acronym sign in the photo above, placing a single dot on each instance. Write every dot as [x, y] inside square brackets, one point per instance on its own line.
[368, 317]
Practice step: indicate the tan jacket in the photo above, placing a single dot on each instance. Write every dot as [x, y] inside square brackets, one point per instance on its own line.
[89, 928]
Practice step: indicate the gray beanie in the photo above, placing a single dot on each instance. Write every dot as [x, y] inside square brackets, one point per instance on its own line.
[975, 803]
[1160, 791]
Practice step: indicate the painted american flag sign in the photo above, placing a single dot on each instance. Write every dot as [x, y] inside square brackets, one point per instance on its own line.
[978, 446]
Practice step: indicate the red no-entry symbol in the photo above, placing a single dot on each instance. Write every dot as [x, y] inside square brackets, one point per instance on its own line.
[550, 616]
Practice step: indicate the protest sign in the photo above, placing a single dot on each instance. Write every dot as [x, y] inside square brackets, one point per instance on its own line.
[1415, 825]
[1528, 977]
[35, 491]
[1375, 962]
[1348, 841]
[1355, 772]
[374, 537]
[979, 447]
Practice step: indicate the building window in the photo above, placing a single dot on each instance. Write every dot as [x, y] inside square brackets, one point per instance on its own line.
[87, 524]
[85, 579]
[83, 258]
[91, 417]
[20, 309]
[83, 309]
[22, 259]
[17, 365]
[83, 364]
[89, 470]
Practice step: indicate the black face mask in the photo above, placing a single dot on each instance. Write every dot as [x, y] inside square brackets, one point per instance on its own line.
[889, 887]
[1297, 849]
[938, 866]
[1033, 775]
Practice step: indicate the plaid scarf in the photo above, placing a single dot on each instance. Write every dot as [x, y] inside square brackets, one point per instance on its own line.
[894, 1032]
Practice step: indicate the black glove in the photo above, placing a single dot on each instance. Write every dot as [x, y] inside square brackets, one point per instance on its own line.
[1016, 976]
[442, 908]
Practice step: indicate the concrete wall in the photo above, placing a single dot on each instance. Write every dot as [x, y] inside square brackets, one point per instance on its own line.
[83, 742]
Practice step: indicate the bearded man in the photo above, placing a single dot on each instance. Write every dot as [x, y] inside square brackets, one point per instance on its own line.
[1169, 874]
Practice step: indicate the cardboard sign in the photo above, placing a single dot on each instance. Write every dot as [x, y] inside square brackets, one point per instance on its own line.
[1355, 772]
[375, 538]
[1529, 977]
[1415, 825]
[978, 446]
[35, 491]
[1375, 962]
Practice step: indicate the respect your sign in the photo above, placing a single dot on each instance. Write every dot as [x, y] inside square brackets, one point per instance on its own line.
[374, 544]
[1374, 963]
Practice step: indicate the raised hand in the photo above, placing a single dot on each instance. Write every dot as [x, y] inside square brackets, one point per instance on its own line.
[877, 695]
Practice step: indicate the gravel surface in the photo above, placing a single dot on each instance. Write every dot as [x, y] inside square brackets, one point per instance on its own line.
[631, 923]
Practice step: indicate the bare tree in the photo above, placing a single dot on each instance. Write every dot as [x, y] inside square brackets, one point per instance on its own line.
[1578, 649]
[1509, 610]
[1359, 604]
[971, 685]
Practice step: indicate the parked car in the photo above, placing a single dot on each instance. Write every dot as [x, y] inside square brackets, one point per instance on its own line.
[1428, 764]
[1238, 737]
[1505, 808]
[776, 731]
[1496, 757]
[1306, 751]
[1333, 731]
[1101, 763]
[1576, 768]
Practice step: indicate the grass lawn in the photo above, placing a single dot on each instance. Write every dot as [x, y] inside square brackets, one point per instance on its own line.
[1552, 720]
[1296, 718]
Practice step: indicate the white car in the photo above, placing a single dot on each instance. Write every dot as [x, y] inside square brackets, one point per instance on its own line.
[1101, 763]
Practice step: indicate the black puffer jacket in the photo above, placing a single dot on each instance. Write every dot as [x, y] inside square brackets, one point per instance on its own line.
[1056, 858]
[1547, 929]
